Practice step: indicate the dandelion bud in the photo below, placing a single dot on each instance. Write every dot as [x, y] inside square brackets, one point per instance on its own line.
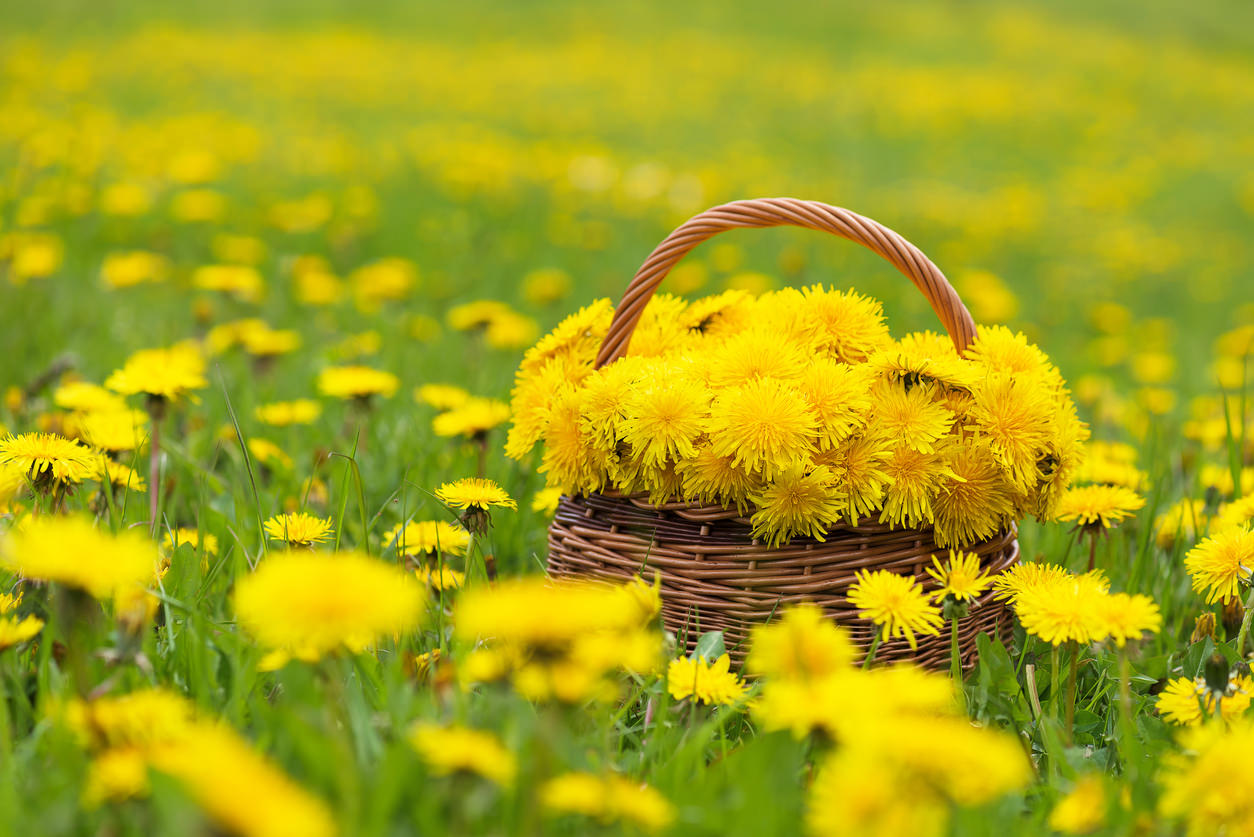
[1215, 672]
[1203, 627]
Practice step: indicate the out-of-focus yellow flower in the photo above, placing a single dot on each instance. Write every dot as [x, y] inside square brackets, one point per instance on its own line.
[161, 373]
[386, 280]
[82, 396]
[1205, 782]
[133, 267]
[441, 396]
[1083, 809]
[451, 749]
[125, 200]
[73, 552]
[268, 453]
[287, 413]
[988, 297]
[1189, 702]
[609, 799]
[308, 604]
[238, 249]
[241, 281]
[356, 382]
[198, 206]
[428, 536]
[1098, 506]
[545, 285]
[31, 255]
[473, 418]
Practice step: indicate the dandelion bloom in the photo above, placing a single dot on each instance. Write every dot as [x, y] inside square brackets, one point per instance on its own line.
[1064, 609]
[1126, 617]
[287, 413]
[442, 578]
[1083, 809]
[14, 630]
[474, 493]
[1098, 506]
[895, 603]
[85, 397]
[1189, 702]
[428, 536]
[704, 681]
[161, 373]
[762, 426]
[610, 798]
[240, 789]
[802, 643]
[473, 418]
[73, 552]
[309, 605]
[299, 529]
[912, 416]
[189, 537]
[47, 458]
[801, 501]
[448, 750]
[1207, 782]
[667, 417]
[1219, 564]
[441, 396]
[959, 577]
[356, 382]
[1022, 577]
[111, 430]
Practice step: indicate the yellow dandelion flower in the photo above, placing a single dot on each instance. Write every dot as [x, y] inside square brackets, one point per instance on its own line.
[542, 611]
[545, 500]
[799, 501]
[474, 493]
[1219, 564]
[476, 315]
[839, 396]
[427, 537]
[116, 775]
[844, 325]
[1128, 617]
[710, 477]
[1067, 609]
[974, 501]
[299, 529]
[895, 603]
[1237, 514]
[310, 604]
[189, 537]
[1083, 809]
[442, 578]
[1183, 521]
[84, 397]
[1000, 349]
[763, 426]
[123, 476]
[1111, 463]
[804, 643]
[356, 382]
[711, 683]
[46, 458]
[241, 790]
[1029, 576]
[912, 417]
[1206, 781]
[959, 577]
[267, 453]
[382, 281]
[241, 281]
[112, 430]
[452, 749]
[287, 413]
[73, 552]
[441, 396]
[571, 458]
[1098, 506]
[545, 285]
[754, 354]
[924, 357]
[610, 798]
[858, 469]
[531, 403]
[576, 338]
[268, 342]
[1189, 702]
[473, 418]
[1014, 415]
[664, 419]
[914, 478]
[161, 373]
[14, 630]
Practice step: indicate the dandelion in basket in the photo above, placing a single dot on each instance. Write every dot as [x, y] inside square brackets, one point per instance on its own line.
[751, 408]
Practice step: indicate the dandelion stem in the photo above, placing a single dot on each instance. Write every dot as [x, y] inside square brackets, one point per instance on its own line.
[1092, 550]
[955, 665]
[870, 653]
[1244, 632]
[156, 408]
[1074, 648]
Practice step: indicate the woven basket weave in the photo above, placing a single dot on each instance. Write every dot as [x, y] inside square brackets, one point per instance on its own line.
[714, 574]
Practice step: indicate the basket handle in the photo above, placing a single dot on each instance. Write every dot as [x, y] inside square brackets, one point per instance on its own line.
[778, 212]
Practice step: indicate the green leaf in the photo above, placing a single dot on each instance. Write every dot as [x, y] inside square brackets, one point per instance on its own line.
[710, 646]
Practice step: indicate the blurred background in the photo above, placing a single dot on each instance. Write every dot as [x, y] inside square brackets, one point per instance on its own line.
[1082, 171]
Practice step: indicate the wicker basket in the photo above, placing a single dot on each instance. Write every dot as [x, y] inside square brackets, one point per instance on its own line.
[714, 574]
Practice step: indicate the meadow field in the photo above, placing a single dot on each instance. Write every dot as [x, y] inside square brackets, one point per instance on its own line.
[278, 273]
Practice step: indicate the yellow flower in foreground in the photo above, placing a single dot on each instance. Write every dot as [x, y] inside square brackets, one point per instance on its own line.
[1098, 506]
[704, 681]
[895, 603]
[299, 529]
[1065, 609]
[1207, 781]
[474, 493]
[308, 604]
[241, 790]
[46, 458]
[1220, 563]
[1126, 617]
[803, 643]
[1083, 809]
[960, 576]
[608, 799]
[356, 382]
[1190, 702]
[73, 552]
[428, 536]
[542, 611]
[447, 750]
[14, 630]
[286, 413]
[87, 397]
[164, 373]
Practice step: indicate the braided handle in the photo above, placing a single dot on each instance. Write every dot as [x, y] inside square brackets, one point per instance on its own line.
[778, 212]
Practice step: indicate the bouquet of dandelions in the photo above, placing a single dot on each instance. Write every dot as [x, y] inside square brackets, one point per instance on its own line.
[800, 410]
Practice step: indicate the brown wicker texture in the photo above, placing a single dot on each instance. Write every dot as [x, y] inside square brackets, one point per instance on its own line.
[714, 574]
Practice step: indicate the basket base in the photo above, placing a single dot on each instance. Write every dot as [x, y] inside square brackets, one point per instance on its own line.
[715, 576]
